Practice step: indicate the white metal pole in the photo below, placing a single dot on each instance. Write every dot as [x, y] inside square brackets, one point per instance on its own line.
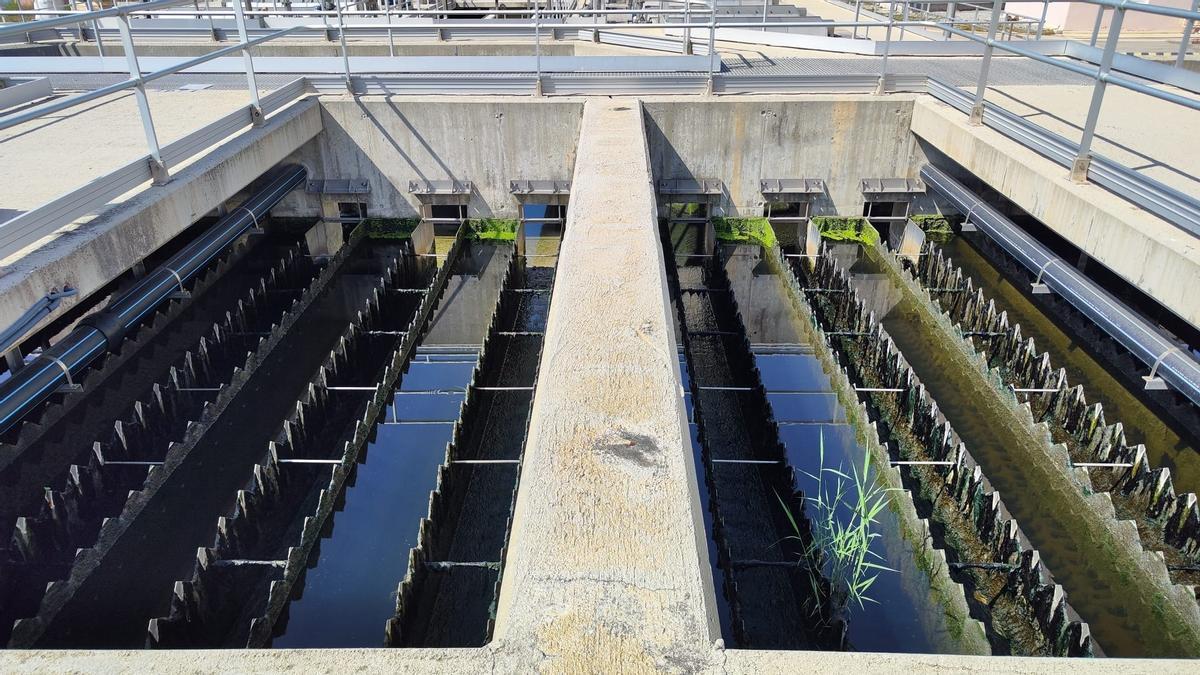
[387, 7]
[1083, 158]
[1186, 40]
[881, 89]
[342, 39]
[256, 111]
[764, 21]
[96, 30]
[1096, 28]
[537, 49]
[857, 13]
[989, 47]
[158, 170]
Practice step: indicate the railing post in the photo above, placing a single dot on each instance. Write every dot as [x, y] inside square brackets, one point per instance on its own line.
[158, 170]
[857, 14]
[764, 21]
[881, 88]
[387, 8]
[951, 10]
[96, 30]
[712, 42]
[1083, 159]
[1187, 36]
[1042, 21]
[337, 4]
[903, 17]
[537, 51]
[687, 27]
[989, 47]
[212, 27]
[1096, 28]
[256, 111]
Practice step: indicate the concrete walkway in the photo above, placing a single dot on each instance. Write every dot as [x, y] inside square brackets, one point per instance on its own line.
[608, 521]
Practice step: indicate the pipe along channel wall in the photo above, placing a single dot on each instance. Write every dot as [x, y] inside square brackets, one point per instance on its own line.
[945, 592]
[1037, 617]
[1174, 604]
[204, 610]
[214, 364]
[1166, 521]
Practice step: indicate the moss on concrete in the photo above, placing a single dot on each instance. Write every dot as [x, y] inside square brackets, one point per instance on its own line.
[937, 227]
[745, 230]
[390, 228]
[493, 229]
[842, 228]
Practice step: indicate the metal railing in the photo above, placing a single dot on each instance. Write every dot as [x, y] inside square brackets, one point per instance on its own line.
[538, 21]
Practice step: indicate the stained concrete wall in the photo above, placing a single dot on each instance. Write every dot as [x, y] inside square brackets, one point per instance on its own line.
[841, 139]
[389, 141]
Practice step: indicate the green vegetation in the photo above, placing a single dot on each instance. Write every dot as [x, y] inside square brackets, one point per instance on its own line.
[745, 230]
[842, 228]
[391, 228]
[494, 229]
[936, 226]
[838, 551]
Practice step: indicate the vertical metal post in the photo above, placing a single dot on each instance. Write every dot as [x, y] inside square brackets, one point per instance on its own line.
[951, 10]
[881, 88]
[387, 8]
[158, 170]
[1042, 21]
[1096, 28]
[712, 42]
[857, 14]
[537, 50]
[96, 30]
[903, 17]
[687, 26]
[1079, 168]
[212, 27]
[256, 111]
[1186, 40]
[337, 4]
[764, 21]
[989, 47]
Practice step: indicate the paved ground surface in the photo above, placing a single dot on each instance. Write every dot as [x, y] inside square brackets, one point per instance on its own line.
[47, 157]
[1156, 138]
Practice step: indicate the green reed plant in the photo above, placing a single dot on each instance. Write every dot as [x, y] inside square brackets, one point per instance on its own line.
[842, 513]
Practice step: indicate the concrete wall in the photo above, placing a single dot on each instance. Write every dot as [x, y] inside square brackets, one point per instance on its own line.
[841, 139]
[489, 141]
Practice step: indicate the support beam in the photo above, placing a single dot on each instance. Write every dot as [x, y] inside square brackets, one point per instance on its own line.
[608, 520]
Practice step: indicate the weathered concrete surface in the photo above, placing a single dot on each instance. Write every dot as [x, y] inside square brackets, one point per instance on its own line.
[490, 141]
[841, 139]
[1148, 252]
[607, 562]
[89, 255]
[53, 155]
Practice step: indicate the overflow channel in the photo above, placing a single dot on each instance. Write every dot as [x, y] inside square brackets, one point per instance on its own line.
[1094, 557]
[114, 588]
[776, 443]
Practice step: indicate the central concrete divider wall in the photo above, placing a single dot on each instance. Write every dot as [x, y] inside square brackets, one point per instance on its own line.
[841, 139]
[389, 141]
[607, 561]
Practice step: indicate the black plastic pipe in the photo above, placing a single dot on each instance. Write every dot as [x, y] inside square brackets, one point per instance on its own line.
[105, 329]
[1172, 362]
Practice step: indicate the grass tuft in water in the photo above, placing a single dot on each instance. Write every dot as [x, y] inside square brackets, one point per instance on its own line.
[842, 514]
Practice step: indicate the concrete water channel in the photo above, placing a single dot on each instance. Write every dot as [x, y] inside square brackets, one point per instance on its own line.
[591, 439]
